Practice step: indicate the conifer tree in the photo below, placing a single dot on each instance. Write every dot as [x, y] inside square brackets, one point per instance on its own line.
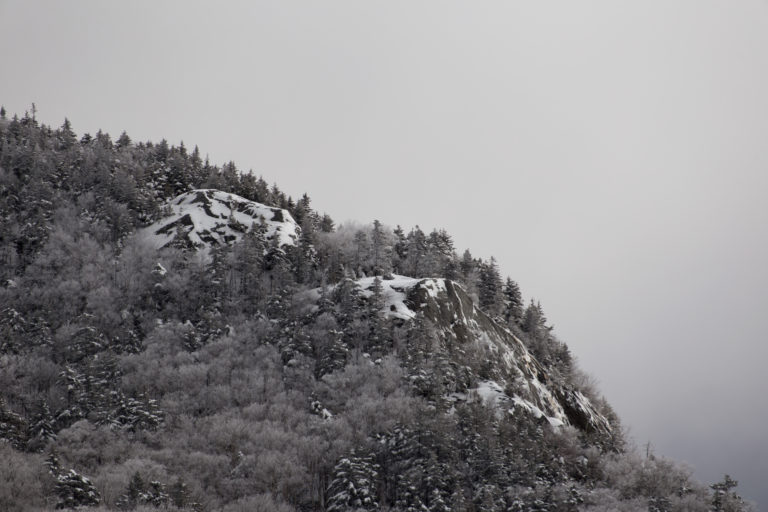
[353, 486]
[157, 495]
[490, 287]
[41, 428]
[468, 272]
[362, 249]
[304, 260]
[416, 264]
[332, 355]
[52, 463]
[13, 428]
[534, 320]
[378, 249]
[724, 499]
[375, 304]
[67, 138]
[513, 303]
[74, 491]
[135, 494]
[123, 141]
[326, 224]
[179, 494]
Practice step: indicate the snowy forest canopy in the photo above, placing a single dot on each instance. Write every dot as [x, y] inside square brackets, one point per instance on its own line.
[254, 375]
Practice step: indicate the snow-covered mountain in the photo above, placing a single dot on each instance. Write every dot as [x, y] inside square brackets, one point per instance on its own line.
[294, 394]
[208, 218]
[515, 381]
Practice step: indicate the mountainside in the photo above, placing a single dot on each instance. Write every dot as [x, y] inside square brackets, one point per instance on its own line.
[171, 339]
[212, 218]
[460, 327]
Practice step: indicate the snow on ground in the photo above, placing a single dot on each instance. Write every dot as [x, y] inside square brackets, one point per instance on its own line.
[211, 217]
[394, 292]
[434, 287]
[493, 395]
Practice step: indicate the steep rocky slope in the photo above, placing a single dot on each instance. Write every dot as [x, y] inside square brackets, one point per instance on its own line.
[209, 218]
[513, 379]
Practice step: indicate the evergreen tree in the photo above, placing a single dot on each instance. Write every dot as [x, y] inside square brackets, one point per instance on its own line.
[353, 486]
[74, 384]
[513, 303]
[401, 245]
[304, 260]
[362, 248]
[41, 428]
[246, 263]
[66, 137]
[490, 288]
[135, 494]
[53, 464]
[179, 494]
[375, 305]
[378, 249]
[123, 141]
[303, 213]
[467, 265]
[440, 254]
[534, 321]
[156, 495]
[135, 414]
[13, 428]
[75, 490]
[724, 499]
[326, 224]
[331, 355]
[416, 264]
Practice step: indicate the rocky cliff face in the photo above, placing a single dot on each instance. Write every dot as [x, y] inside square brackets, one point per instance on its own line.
[513, 379]
[209, 218]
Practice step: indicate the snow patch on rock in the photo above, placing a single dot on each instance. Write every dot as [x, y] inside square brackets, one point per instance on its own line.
[394, 293]
[209, 218]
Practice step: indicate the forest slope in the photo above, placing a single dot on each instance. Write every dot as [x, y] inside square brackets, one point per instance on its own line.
[250, 360]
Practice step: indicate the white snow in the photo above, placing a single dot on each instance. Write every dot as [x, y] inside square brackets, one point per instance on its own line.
[219, 218]
[537, 413]
[492, 394]
[394, 293]
[434, 287]
[546, 396]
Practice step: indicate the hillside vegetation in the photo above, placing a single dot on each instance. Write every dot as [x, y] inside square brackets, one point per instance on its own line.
[176, 335]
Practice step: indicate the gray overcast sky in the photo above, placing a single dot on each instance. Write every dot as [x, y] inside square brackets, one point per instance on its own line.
[611, 155]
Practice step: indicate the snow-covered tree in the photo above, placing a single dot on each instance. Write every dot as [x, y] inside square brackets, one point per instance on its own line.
[41, 428]
[353, 486]
[75, 490]
[724, 498]
[13, 428]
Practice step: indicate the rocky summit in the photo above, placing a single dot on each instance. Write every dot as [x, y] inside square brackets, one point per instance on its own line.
[211, 218]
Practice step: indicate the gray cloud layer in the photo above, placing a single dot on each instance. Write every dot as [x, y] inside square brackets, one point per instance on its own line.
[611, 155]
